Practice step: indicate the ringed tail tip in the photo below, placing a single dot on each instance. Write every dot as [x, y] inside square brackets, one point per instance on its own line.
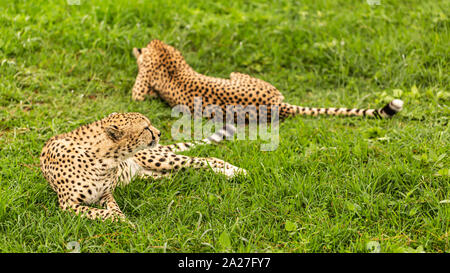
[398, 104]
[393, 107]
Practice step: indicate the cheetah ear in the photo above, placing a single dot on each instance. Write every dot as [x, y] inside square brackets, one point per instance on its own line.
[114, 133]
[156, 44]
[137, 52]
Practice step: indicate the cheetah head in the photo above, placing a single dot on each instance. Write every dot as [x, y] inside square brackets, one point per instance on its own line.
[129, 133]
[158, 64]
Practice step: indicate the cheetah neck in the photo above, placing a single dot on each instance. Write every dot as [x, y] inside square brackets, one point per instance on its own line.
[180, 82]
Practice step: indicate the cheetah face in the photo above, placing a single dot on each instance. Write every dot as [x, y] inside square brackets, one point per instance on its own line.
[130, 133]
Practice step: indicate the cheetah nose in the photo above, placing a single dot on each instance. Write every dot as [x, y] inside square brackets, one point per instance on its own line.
[159, 134]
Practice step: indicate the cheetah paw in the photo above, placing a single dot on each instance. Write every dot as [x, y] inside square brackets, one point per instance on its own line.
[230, 171]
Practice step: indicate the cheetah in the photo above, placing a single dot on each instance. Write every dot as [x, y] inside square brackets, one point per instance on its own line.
[164, 72]
[85, 165]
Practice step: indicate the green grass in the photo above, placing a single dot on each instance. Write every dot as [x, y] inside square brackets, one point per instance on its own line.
[333, 184]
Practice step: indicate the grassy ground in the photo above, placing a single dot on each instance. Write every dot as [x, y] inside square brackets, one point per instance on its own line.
[333, 184]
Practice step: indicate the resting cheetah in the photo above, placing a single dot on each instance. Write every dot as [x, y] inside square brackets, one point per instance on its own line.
[164, 72]
[85, 165]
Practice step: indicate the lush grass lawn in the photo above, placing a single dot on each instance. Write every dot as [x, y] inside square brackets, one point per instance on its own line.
[333, 184]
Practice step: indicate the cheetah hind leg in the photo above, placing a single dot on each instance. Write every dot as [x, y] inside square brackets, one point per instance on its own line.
[91, 212]
[110, 203]
[111, 212]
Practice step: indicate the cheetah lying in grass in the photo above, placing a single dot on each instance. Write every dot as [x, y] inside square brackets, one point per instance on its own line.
[85, 165]
[164, 72]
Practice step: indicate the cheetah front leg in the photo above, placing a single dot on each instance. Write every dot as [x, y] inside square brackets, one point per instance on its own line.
[166, 163]
[218, 166]
[110, 211]
[142, 88]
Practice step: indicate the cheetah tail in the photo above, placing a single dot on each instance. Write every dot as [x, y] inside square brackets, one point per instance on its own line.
[387, 111]
[224, 133]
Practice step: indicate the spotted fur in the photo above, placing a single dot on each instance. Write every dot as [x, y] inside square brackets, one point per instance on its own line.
[164, 72]
[85, 165]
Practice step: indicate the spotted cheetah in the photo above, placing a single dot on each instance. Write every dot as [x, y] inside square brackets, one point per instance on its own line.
[164, 72]
[85, 165]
